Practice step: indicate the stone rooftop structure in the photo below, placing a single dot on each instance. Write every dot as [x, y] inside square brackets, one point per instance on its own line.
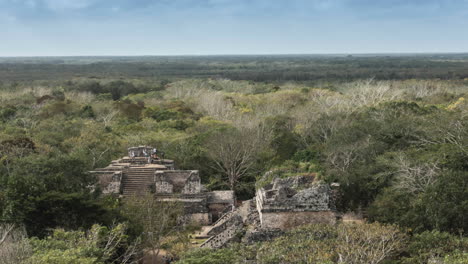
[280, 205]
[294, 201]
[145, 170]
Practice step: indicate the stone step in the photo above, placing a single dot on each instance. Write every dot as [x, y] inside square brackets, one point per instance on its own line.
[138, 180]
[202, 237]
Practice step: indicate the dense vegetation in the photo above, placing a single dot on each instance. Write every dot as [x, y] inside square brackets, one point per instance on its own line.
[310, 68]
[398, 146]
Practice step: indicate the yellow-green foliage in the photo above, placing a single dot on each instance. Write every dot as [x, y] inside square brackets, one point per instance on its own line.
[316, 243]
[96, 246]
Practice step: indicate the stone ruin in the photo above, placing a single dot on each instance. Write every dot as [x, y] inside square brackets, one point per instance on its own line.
[145, 170]
[295, 201]
[282, 204]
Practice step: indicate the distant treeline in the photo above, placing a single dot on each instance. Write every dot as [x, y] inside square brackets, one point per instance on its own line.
[300, 68]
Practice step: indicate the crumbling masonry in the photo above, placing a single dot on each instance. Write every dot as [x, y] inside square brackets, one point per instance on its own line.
[282, 204]
[143, 171]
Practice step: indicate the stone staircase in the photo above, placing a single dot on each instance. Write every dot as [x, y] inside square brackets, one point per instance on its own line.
[226, 233]
[224, 230]
[220, 223]
[137, 180]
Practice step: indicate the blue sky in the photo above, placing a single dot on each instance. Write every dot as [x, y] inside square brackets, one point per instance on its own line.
[198, 27]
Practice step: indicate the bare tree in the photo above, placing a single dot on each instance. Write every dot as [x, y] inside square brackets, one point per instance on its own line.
[414, 178]
[370, 92]
[157, 218]
[234, 151]
[106, 114]
[370, 243]
[14, 149]
[14, 246]
[114, 238]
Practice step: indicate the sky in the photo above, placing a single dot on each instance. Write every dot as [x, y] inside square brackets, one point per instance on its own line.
[215, 27]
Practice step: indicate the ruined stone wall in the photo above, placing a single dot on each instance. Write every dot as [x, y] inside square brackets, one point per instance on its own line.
[221, 197]
[195, 218]
[177, 181]
[218, 201]
[315, 198]
[216, 210]
[161, 185]
[192, 184]
[295, 201]
[288, 220]
[193, 206]
[231, 218]
[182, 181]
[110, 182]
[227, 234]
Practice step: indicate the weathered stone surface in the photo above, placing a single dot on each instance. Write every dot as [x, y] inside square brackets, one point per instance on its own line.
[143, 172]
[198, 218]
[288, 220]
[229, 233]
[294, 201]
[221, 197]
[177, 181]
[279, 206]
[261, 235]
[218, 201]
[231, 218]
[109, 181]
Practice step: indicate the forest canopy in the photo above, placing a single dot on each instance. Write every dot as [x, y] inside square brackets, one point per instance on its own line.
[391, 130]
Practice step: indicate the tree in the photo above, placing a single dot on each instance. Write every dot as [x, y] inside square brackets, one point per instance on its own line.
[95, 145]
[156, 219]
[14, 246]
[234, 151]
[98, 245]
[343, 243]
[442, 206]
[368, 243]
[433, 246]
[15, 149]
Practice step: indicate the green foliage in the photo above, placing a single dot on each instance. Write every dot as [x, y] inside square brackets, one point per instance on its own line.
[433, 245]
[130, 110]
[156, 222]
[345, 243]
[312, 244]
[70, 211]
[442, 206]
[234, 254]
[87, 112]
[99, 245]
[208, 256]
[284, 141]
[397, 148]
[316, 243]
[7, 113]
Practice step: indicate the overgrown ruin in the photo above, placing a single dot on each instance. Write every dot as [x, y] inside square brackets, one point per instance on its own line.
[145, 170]
[281, 204]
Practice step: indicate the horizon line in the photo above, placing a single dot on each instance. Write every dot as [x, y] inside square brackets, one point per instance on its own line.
[245, 54]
